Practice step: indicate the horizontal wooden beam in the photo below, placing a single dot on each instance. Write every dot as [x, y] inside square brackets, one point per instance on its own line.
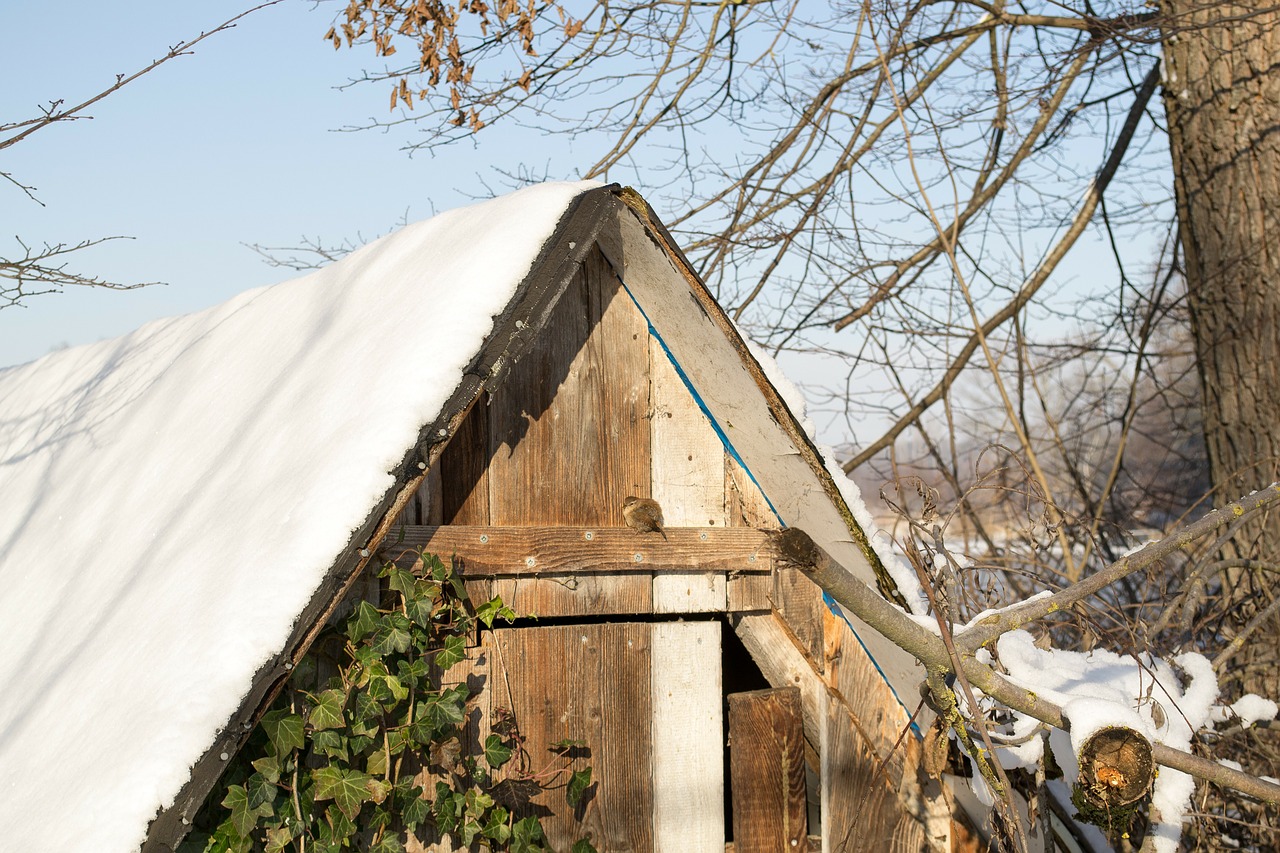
[507, 551]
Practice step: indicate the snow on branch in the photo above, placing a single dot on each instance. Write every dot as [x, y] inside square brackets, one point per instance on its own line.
[1116, 716]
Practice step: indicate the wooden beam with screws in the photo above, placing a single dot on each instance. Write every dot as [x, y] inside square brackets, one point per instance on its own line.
[510, 551]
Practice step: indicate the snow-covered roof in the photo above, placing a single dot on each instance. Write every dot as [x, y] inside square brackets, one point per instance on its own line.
[170, 501]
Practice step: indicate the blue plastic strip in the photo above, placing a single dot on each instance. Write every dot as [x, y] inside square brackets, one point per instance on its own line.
[832, 604]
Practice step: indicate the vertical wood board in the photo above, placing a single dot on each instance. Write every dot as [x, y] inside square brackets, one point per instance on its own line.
[688, 738]
[464, 465]
[687, 482]
[568, 434]
[766, 759]
[589, 683]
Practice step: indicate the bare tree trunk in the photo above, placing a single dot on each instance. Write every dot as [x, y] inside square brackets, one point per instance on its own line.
[1222, 99]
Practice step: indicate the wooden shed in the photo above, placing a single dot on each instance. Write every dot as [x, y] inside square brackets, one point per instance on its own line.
[721, 698]
[620, 375]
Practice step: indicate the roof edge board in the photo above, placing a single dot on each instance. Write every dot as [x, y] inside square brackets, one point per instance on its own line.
[514, 329]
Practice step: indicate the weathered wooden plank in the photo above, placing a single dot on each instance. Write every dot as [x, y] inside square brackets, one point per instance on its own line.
[799, 602]
[589, 683]
[568, 434]
[431, 497]
[688, 738]
[812, 844]
[853, 675]
[603, 594]
[745, 505]
[859, 805]
[464, 478]
[556, 595]
[533, 551]
[748, 592]
[687, 481]
[766, 761]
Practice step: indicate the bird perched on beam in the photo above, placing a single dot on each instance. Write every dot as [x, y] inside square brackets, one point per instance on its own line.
[643, 515]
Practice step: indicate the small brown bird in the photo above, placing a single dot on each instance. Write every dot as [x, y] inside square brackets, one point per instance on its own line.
[643, 515]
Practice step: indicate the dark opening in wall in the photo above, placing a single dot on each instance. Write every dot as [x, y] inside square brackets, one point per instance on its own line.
[740, 675]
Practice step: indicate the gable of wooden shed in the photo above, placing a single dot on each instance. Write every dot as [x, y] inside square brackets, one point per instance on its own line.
[598, 408]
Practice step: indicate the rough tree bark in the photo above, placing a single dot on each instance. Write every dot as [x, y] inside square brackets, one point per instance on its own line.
[1222, 99]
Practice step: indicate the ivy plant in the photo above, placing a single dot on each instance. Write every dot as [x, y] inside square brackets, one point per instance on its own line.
[333, 764]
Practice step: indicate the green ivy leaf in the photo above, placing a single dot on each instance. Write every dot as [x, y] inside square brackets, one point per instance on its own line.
[420, 605]
[446, 809]
[365, 657]
[414, 809]
[488, 611]
[244, 816]
[389, 843]
[496, 751]
[495, 827]
[359, 743]
[347, 788]
[565, 745]
[330, 744]
[401, 580]
[445, 708]
[582, 845]
[284, 729]
[363, 621]
[470, 829]
[278, 839]
[326, 710]
[338, 827]
[269, 767]
[392, 635]
[435, 567]
[387, 689]
[377, 764]
[260, 791]
[453, 652]
[578, 784]
[226, 840]
[420, 731]
[377, 820]
[412, 672]
[477, 803]
[526, 836]
[368, 707]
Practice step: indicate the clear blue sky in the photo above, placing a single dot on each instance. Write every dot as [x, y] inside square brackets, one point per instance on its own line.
[235, 144]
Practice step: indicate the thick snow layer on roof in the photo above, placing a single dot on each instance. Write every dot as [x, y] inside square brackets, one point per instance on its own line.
[170, 500]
